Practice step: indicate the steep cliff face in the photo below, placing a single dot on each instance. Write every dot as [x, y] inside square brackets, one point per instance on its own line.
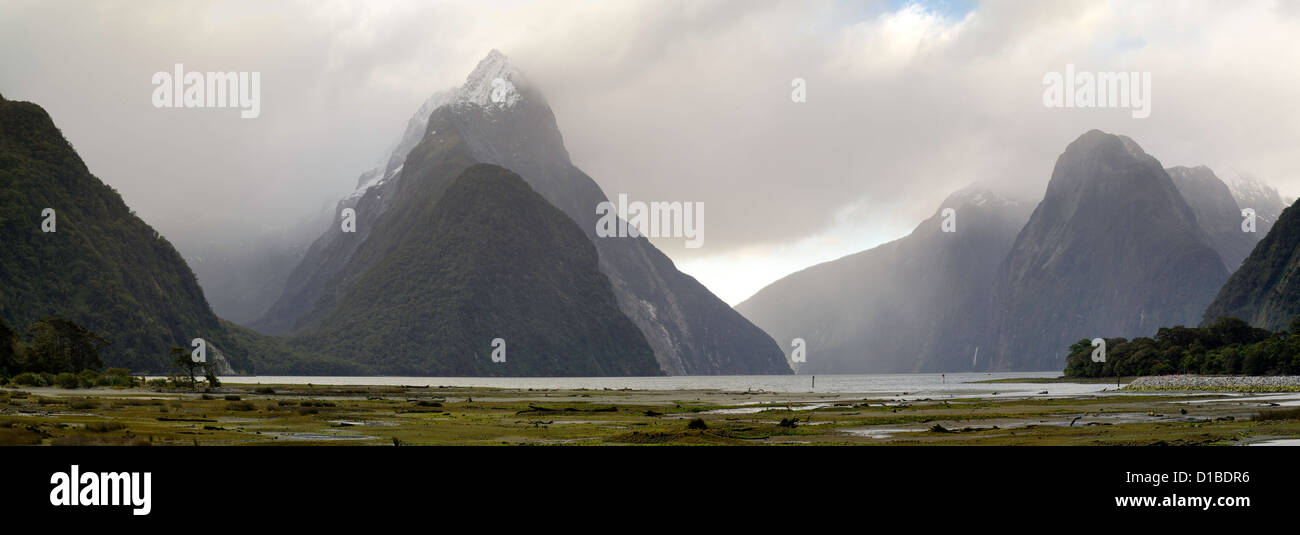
[917, 304]
[1216, 212]
[485, 259]
[101, 267]
[498, 117]
[1265, 290]
[1252, 192]
[1112, 250]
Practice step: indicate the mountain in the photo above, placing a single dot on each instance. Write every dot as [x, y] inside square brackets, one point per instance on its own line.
[1216, 212]
[1112, 250]
[915, 304]
[1265, 290]
[1251, 192]
[327, 255]
[102, 267]
[490, 258]
[499, 117]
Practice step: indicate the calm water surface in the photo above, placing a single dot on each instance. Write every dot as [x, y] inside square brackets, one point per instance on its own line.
[910, 385]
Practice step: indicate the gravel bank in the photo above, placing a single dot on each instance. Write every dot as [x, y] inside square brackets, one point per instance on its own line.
[1253, 383]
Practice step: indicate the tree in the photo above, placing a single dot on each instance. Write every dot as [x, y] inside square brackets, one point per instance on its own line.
[1232, 331]
[58, 345]
[1179, 336]
[184, 361]
[210, 376]
[8, 349]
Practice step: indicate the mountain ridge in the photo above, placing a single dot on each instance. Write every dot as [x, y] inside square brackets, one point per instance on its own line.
[690, 329]
[1113, 249]
[102, 266]
[488, 259]
[1265, 290]
[1216, 211]
[903, 306]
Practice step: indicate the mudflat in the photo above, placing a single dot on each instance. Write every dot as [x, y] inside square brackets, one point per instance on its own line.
[391, 415]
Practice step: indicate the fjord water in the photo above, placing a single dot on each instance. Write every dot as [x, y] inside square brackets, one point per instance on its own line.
[905, 385]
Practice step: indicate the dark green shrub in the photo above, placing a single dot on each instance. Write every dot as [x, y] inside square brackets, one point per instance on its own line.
[90, 378]
[125, 381]
[104, 427]
[29, 379]
[67, 380]
[1292, 413]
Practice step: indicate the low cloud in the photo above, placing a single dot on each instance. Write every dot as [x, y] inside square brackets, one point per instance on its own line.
[663, 101]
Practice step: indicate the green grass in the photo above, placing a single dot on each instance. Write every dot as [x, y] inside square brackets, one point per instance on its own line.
[480, 416]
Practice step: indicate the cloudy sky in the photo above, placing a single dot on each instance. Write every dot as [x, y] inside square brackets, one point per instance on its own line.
[661, 100]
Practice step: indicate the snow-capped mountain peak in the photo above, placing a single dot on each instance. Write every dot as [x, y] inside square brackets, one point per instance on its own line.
[375, 179]
[979, 194]
[1250, 190]
[492, 83]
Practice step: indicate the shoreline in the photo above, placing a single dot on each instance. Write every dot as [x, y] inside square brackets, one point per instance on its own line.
[1217, 383]
[393, 415]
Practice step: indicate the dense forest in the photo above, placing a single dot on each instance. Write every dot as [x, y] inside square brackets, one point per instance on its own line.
[1224, 346]
[58, 352]
[71, 248]
[1265, 290]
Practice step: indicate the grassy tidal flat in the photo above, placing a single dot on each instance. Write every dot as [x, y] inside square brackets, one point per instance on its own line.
[391, 415]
